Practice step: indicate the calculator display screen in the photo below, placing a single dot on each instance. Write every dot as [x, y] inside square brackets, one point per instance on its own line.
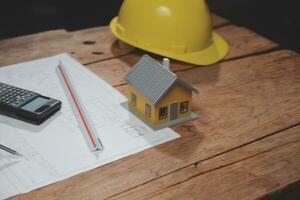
[35, 104]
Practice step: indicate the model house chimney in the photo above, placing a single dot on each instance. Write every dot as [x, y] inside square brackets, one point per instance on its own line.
[166, 63]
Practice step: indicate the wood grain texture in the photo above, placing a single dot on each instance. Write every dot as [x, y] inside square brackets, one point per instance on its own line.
[210, 169]
[248, 179]
[240, 102]
[219, 21]
[97, 44]
[242, 42]
[86, 46]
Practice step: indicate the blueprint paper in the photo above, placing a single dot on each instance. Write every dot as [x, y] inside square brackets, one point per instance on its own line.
[57, 150]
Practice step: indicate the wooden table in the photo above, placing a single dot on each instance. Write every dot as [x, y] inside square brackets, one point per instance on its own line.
[246, 144]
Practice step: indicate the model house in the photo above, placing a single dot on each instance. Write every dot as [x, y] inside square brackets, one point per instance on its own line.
[157, 95]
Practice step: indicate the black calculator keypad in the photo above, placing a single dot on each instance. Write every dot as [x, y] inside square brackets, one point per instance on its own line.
[13, 96]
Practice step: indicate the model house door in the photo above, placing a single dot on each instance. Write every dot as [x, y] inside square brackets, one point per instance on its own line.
[173, 114]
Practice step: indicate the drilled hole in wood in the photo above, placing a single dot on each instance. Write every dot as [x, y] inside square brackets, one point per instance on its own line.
[97, 53]
[88, 42]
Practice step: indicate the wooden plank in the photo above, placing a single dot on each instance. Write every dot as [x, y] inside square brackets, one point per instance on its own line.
[240, 102]
[211, 167]
[88, 45]
[249, 179]
[113, 70]
[244, 42]
[219, 21]
[97, 44]
[85, 46]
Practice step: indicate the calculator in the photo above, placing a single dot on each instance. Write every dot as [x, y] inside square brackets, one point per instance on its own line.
[26, 105]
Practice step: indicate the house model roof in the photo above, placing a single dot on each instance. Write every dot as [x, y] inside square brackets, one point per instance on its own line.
[153, 80]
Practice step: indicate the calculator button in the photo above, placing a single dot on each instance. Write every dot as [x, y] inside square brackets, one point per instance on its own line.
[14, 96]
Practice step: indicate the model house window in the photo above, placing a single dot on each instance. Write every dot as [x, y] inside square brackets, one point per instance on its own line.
[148, 110]
[133, 99]
[184, 107]
[163, 113]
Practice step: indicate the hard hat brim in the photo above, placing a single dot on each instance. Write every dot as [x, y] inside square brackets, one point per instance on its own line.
[215, 52]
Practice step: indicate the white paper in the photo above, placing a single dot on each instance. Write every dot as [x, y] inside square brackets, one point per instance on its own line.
[57, 150]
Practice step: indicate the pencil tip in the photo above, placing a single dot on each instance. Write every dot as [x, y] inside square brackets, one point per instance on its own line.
[17, 154]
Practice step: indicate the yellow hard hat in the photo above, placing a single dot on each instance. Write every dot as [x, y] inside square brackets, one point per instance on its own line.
[178, 29]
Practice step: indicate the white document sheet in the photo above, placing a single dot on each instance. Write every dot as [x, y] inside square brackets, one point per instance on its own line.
[57, 150]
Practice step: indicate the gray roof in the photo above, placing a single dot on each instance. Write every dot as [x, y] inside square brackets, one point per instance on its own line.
[152, 79]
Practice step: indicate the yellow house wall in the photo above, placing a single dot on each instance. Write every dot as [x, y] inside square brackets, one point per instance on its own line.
[177, 94]
[140, 105]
